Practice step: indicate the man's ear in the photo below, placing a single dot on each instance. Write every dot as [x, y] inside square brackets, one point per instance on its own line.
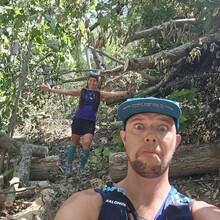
[178, 139]
[123, 136]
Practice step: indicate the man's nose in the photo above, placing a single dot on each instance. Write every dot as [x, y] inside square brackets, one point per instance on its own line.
[150, 137]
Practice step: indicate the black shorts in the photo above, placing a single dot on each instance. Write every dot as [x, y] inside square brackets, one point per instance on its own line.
[82, 126]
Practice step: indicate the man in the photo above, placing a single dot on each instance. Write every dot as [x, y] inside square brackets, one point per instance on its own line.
[150, 136]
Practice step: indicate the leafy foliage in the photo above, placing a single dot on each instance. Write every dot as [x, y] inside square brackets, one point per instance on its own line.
[189, 106]
[100, 158]
[45, 41]
[117, 142]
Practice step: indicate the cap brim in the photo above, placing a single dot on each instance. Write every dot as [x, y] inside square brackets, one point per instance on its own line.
[155, 105]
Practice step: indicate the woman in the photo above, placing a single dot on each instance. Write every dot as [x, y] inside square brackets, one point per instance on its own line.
[83, 123]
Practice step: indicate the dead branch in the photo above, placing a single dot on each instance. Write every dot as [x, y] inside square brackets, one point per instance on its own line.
[173, 55]
[103, 53]
[157, 29]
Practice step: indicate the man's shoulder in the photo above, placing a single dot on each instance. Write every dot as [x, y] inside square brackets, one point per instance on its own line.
[204, 211]
[81, 205]
[86, 194]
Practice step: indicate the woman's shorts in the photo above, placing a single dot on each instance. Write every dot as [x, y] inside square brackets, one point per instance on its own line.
[82, 126]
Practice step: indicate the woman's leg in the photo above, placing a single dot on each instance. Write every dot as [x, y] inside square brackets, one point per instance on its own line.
[86, 143]
[72, 148]
[75, 138]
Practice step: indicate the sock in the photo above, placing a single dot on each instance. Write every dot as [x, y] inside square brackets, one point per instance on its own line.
[70, 154]
[84, 157]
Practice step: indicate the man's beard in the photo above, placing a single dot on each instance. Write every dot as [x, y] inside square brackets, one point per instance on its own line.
[147, 170]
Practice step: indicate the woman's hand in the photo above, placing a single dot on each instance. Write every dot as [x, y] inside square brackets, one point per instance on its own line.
[131, 90]
[46, 87]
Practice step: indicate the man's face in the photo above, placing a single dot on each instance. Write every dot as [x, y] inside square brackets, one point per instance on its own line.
[150, 140]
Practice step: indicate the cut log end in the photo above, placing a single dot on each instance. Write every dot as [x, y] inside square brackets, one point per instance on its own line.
[8, 203]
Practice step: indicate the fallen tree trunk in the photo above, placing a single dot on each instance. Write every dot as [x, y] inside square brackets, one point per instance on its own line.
[10, 145]
[187, 160]
[24, 153]
[173, 55]
[22, 169]
[37, 168]
[10, 198]
[42, 168]
[156, 30]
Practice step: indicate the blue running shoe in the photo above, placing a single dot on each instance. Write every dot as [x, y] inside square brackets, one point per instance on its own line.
[69, 170]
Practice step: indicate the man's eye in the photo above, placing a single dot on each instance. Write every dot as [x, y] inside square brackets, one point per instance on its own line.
[162, 128]
[138, 126]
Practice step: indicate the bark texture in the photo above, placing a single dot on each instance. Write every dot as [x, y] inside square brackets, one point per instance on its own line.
[188, 160]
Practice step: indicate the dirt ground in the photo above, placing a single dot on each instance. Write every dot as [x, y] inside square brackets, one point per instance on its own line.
[201, 187]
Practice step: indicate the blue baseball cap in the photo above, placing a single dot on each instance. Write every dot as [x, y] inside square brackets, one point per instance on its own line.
[135, 106]
[94, 74]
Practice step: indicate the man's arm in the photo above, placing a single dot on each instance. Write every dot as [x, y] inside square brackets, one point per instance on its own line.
[204, 211]
[80, 206]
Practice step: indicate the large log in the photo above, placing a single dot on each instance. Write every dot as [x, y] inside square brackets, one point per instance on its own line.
[187, 160]
[156, 30]
[44, 168]
[22, 169]
[11, 145]
[24, 153]
[9, 201]
[174, 55]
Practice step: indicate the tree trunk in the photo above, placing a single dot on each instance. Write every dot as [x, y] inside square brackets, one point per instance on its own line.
[22, 170]
[187, 160]
[10, 198]
[173, 55]
[43, 168]
[156, 30]
[10, 145]
[24, 153]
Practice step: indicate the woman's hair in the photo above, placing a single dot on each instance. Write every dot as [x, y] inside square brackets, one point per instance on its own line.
[93, 75]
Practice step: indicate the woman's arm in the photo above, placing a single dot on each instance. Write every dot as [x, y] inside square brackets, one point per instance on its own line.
[107, 95]
[47, 88]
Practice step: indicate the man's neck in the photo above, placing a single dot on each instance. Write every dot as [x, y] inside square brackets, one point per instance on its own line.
[145, 189]
[147, 195]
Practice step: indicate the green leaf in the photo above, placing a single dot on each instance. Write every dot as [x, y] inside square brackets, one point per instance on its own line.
[35, 32]
[217, 36]
[19, 22]
[62, 59]
[2, 99]
[39, 39]
[104, 21]
[208, 23]
[53, 45]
